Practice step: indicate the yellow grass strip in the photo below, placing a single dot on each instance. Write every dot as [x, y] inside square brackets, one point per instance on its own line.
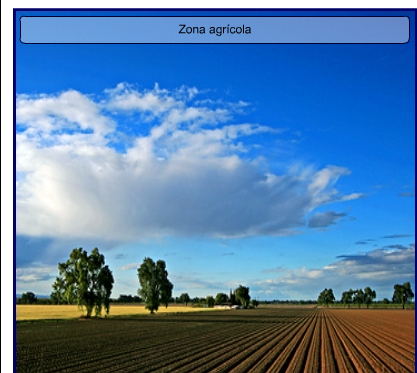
[40, 312]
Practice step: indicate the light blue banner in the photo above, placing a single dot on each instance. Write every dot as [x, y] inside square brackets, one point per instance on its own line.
[257, 30]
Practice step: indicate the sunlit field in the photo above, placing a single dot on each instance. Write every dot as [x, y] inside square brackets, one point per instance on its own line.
[39, 312]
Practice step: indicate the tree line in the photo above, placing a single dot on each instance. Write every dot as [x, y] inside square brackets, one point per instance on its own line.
[403, 294]
[85, 280]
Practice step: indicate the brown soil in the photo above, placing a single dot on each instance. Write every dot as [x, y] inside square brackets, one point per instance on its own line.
[262, 340]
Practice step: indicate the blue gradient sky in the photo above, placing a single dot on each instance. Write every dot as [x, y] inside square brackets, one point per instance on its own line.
[285, 168]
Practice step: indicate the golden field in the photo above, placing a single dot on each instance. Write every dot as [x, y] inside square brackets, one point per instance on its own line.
[40, 312]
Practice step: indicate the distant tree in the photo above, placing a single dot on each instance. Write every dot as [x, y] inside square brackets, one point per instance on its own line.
[402, 293]
[210, 301]
[242, 295]
[197, 300]
[358, 297]
[369, 296]
[347, 297]
[232, 297]
[254, 303]
[28, 298]
[184, 298]
[86, 279]
[326, 297]
[220, 298]
[385, 301]
[123, 298]
[154, 284]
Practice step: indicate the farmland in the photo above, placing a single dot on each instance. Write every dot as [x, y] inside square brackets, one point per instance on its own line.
[63, 311]
[257, 340]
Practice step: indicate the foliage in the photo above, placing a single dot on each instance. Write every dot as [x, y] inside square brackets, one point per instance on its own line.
[123, 298]
[154, 284]
[166, 292]
[184, 298]
[402, 293]
[86, 279]
[358, 297]
[220, 298]
[28, 298]
[210, 301]
[369, 296]
[254, 303]
[326, 297]
[242, 295]
[347, 297]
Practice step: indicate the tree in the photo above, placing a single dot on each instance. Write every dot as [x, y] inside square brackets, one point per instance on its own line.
[347, 297]
[63, 293]
[369, 296]
[242, 295]
[85, 279]
[210, 301]
[154, 284]
[402, 293]
[358, 297]
[254, 303]
[166, 292]
[326, 297]
[184, 298]
[220, 298]
[28, 298]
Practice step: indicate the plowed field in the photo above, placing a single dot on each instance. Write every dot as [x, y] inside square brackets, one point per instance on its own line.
[261, 340]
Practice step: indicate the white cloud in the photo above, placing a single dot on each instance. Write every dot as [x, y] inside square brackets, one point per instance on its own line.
[69, 110]
[125, 97]
[380, 269]
[184, 176]
[130, 266]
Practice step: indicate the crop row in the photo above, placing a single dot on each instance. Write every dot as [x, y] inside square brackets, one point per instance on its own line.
[261, 340]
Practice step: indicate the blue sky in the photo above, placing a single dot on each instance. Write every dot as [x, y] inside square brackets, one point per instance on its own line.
[285, 168]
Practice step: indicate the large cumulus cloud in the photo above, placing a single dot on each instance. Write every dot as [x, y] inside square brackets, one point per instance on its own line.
[185, 168]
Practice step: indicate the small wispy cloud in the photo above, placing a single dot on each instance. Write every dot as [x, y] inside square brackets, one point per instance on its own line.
[325, 219]
[129, 267]
[398, 236]
[365, 241]
[408, 192]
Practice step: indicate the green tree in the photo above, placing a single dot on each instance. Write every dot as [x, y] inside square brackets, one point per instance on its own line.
[210, 301]
[63, 293]
[369, 296]
[254, 303]
[326, 297]
[402, 293]
[28, 298]
[242, 295]
[184, 298]
[347, 297]
[166, 290]
[358, 297]
[85, 279]
[154, 284]
[220, 298]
